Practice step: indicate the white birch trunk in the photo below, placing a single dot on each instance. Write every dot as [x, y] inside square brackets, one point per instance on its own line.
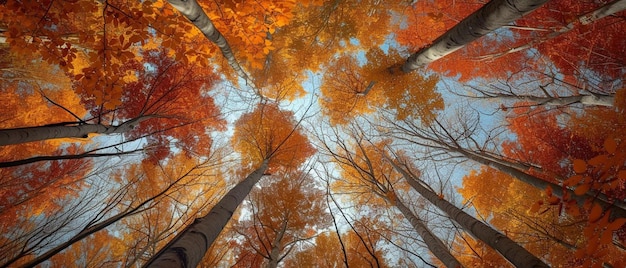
[29, 134]
[189, 247]
[493, 15]
[192, 11]
[435, 245]
[510, 250]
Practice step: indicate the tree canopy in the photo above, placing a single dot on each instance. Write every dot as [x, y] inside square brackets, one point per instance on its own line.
[312, 133]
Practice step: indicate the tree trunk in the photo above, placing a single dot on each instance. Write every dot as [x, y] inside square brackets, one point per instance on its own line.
[510, 250]
[591, 17]
[587, 100]
[92, 228]
[616, 207]
[274, 256]
[62, 157]
[28, 134]
[435, 245]
[192, 11]
[189, 247]
[493, 15]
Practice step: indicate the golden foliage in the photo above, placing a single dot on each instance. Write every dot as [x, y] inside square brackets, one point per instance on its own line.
[268, 133]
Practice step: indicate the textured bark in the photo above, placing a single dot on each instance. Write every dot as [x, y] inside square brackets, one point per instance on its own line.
[617, 207]
[274, 256]
[92, 228]
[435, 245]
[589, 18]
[587, 100]
[493, 15]
[606, 10]
[189, 247]
[192, 11]
[29, 134]
[510, 250]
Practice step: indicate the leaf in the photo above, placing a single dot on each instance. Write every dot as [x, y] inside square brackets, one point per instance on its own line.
[616, 224]
[573, 180]
[607, 237]
[580, 166]
[582, 189]
[553, 200]
[595, 213]
[536, 206]
[610, 145]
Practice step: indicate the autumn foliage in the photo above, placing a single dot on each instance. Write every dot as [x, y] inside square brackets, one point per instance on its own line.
[268, 133]
[327, 98]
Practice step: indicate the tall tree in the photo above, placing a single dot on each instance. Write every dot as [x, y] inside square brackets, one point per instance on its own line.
[493, 15]
[271, 141]
[512, 251]
[365, 174]
[286, 212]
[460, 141]
[351, 89]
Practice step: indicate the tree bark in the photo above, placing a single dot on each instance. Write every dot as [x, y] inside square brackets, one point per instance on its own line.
[589, 18]
[192, 11]
[29, 134]
[435, 245]
[510, 250]
[277, 246]
[189, 247]
[586, 100]
[493, 15]
[616, 207]
[92, 228]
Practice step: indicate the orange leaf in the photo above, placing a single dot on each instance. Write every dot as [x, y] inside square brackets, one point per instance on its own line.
[616, 224]
[573, 180]
[582, 189]
[573, 210]
[549, 191]
[607, 237]
[580, 166]
[535, 207]
[553, 200]
[610, 145]
[596, 213]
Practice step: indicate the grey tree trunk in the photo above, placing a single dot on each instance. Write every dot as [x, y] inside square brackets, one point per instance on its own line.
[493, 15]
[192, 11]
[93, 227]
[29, 134]
[510, 250]
[435, 245]
[616, 207]
[586, 19]
[189, 247]
[274, 256]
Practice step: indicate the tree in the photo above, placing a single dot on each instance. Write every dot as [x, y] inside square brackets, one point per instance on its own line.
[460, 143]
[547, 232]
[351, 89]
[286, 212]
[512, 251]
[364, 174]
[493, 15]
[152, 105]
[271, 141]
